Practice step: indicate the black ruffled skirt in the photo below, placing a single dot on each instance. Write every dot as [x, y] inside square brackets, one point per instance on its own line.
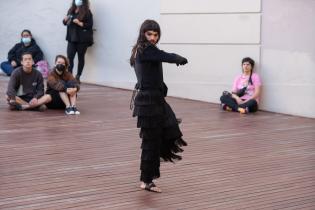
[159, 131]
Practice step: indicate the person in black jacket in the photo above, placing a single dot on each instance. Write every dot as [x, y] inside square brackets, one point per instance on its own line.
[79, 22]
[27, 44]
[159, 130]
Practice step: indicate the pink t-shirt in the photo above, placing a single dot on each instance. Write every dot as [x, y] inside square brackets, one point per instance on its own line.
[242, 80]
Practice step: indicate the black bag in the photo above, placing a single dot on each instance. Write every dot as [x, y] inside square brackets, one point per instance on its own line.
[87, 36]
[241, 92]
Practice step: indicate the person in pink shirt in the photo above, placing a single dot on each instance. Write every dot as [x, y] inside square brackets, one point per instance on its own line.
[245, 92]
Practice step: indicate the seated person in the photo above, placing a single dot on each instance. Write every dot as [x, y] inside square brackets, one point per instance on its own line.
[246, 90]
[27, 44]
[62, 87]
[26, 87]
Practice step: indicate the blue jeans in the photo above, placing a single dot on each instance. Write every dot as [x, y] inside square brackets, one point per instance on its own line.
[7, 68]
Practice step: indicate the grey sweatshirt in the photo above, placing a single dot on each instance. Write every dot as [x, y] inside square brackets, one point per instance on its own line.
[22, 83]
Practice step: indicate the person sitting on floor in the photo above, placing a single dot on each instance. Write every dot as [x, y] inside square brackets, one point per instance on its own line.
[245, 92]
[62, 87]
[26, 87]
[27, 44]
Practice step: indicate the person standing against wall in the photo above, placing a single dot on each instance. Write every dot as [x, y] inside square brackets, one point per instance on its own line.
[159, 130]
[79, 22]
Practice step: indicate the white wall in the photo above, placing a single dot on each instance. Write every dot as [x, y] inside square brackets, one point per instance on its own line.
[116, 23]
[43, 18]
[214, 36]
[288, 56]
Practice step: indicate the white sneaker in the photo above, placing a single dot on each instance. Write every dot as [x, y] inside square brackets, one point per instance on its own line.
[75, 110]
[69, 111]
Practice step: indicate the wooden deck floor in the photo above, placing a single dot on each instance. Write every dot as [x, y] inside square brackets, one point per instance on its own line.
[52, 161]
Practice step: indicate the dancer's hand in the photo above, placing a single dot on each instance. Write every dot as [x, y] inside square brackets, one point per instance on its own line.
[181, 61]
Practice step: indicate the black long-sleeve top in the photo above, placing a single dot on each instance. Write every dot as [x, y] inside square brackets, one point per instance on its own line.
[22, 83]
[148, 67]
[76, 33]
[16, 52]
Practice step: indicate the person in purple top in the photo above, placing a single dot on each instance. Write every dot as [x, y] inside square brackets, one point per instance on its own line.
[245, 92]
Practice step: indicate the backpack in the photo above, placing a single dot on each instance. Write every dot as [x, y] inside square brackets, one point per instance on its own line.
[43, 67]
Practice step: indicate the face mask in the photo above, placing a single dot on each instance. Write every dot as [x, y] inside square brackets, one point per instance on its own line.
[26, 40]
[60, 68]
[78, 3]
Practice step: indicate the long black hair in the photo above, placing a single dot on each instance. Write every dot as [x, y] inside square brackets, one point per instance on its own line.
[84, 9]
[252, 63]
[142, 42]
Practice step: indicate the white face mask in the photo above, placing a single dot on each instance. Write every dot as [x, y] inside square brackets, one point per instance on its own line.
[26, 40]
[78, 2]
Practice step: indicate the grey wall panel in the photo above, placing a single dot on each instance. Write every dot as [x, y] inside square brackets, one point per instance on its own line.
[211, 28]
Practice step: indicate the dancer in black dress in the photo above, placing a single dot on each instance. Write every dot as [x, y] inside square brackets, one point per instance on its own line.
[159, 131]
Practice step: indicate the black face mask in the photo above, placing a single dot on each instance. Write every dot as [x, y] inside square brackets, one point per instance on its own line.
[61, 68]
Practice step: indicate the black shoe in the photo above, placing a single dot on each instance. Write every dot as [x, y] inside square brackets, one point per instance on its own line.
[41, 108]
[14, 105]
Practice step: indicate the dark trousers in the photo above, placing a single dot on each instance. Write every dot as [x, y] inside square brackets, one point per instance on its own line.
[250, 105]
[7, 67]
[150, 155]
[79, 48]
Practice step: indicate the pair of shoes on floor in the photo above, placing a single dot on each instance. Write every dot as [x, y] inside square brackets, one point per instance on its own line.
[150, 187]
[72, 110]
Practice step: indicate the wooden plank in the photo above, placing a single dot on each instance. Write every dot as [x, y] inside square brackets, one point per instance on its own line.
[53, 161]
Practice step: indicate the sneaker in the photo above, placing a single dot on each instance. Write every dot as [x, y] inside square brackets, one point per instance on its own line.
[242, 110]
[14, 105]
[41, 108]
[69, 111]
[75, 110]
[226, 107]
